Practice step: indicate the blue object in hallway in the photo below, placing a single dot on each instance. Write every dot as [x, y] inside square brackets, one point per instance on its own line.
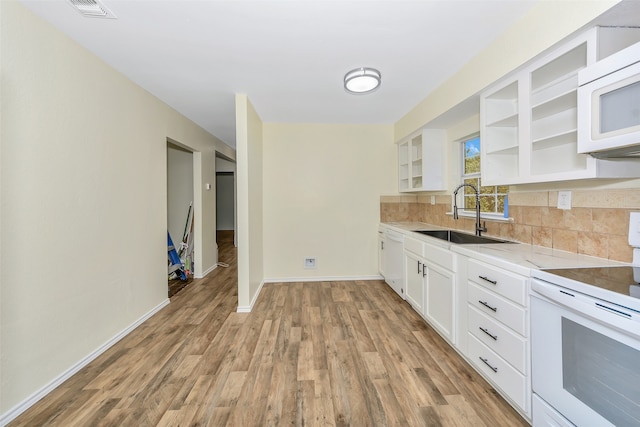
[176, 265]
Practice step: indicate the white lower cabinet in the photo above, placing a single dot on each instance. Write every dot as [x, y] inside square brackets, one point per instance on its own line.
[414, 274]
[496, 328]
[381, 250]
[392, 261]
[503, 376]
[440, 299]
[511, 346]
[430, 284]
[477, 304]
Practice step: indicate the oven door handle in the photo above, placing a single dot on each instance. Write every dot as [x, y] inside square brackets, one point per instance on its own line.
[620, 318]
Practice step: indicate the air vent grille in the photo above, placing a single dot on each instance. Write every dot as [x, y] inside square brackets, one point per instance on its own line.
[92, 9]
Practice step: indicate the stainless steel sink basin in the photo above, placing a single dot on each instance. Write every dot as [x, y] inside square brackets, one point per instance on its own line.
[460, 237]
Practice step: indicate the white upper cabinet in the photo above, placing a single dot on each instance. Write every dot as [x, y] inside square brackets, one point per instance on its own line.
[528, 121]
[422, 161]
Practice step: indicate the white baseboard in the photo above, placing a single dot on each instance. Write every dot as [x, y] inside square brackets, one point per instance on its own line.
[207, 271]
[12, 413]
[321, 279]
[247, 309]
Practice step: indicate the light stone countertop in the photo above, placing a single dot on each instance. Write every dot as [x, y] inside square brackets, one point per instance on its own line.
[517, 257]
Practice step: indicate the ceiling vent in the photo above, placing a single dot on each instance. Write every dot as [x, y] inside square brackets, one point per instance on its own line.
[92, 9]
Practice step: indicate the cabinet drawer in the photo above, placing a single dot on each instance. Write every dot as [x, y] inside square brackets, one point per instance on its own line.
[439, 256]
[502, 340]
[503, 375]
[509, 285]
[413, 245]
[496, 307]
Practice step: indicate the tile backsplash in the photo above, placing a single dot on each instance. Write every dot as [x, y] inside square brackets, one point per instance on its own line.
[596, 225]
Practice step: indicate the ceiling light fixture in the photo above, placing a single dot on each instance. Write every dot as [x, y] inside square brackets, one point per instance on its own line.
[362, 80]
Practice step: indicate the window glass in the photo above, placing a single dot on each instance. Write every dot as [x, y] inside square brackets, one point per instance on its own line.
[491, 196]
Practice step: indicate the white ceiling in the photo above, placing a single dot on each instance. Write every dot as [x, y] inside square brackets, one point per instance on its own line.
[289, 57]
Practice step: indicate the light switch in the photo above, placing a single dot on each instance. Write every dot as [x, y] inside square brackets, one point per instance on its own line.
[564, 200]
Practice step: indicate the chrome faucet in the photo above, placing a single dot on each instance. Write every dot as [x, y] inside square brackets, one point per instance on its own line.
[479, 228]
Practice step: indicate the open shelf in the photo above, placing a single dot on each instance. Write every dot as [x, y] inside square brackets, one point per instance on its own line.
[503, 122]
[563, 138]
[558, 159]
[529, 119]
[559, 68]
[504, 150]
[498, 139]
[500, 168]
[554, 89]
[565, 101]
[420, 161]
[559, 123]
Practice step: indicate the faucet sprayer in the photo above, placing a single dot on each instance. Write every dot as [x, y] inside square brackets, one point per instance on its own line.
[479, 228]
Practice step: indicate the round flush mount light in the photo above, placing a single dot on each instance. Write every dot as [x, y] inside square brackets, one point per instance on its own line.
[362, 80]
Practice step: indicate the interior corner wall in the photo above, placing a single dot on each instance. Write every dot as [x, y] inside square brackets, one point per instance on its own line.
[546, 24]
[249, 161]
[83, 203]
[322, 186]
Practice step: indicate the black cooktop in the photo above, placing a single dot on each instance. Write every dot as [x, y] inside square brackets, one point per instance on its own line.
[620, 279]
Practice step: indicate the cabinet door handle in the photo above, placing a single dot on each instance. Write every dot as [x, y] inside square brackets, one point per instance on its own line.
[494, 309]
[382, 245]
[486, 362]
[486, 331]
[424, 270]
[486, 279]
[419, 267]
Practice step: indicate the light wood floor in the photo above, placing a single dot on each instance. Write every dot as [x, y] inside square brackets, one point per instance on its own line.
[323, 353]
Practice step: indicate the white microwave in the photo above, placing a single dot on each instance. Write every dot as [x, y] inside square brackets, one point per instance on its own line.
[609, 106]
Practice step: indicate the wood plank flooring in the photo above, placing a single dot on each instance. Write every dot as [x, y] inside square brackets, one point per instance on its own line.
[318, 354]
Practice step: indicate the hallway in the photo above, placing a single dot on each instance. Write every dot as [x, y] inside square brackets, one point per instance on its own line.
[319, 353]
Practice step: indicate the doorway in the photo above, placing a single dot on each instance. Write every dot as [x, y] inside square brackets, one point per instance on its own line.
[180, 196]
[225, 201]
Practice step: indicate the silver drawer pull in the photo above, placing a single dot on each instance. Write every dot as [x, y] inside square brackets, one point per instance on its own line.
[486, 362]
[494, 309]
[486, 279]
[495, 337]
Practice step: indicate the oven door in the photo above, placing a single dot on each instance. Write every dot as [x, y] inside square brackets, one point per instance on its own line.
[583, 364]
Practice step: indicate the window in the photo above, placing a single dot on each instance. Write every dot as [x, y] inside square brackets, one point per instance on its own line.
[491, 196]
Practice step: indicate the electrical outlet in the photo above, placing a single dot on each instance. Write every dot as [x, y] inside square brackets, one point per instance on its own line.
[564, 200]
[310, 263]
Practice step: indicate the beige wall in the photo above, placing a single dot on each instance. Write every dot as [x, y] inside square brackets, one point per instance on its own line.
[83, 202]
[249, 166]
[321, 197]
[547, 23]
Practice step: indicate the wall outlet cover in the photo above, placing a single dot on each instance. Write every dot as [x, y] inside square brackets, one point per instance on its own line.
[310, 262]
[564, 200]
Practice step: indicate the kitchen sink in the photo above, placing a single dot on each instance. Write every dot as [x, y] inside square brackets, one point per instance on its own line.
[459, 237]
